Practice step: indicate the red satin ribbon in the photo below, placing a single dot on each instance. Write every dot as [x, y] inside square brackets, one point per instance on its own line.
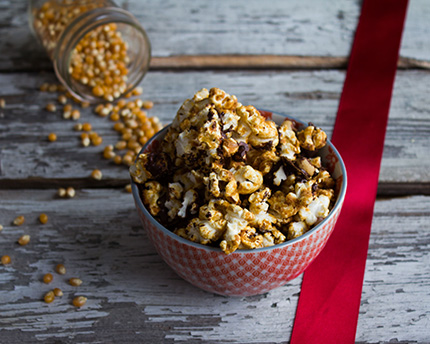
[331, 289]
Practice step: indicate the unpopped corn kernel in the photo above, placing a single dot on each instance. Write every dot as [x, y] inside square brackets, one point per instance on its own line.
[24, 240]
[43, 218]
[52, 137]
[19, 220]
[79, 301]
[5, 260]
[61, 269]
[96, 174]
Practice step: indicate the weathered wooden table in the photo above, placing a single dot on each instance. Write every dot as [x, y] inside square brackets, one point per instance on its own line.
[290, 57]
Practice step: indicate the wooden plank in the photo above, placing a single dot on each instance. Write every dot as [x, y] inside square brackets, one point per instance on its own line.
[397, 269]
[288, 29]
[28, 159]
[135, 296]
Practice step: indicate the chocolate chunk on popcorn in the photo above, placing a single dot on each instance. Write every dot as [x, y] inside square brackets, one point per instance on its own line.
[225, 176]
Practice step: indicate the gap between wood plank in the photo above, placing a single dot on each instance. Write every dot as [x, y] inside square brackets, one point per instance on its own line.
[247, 62]
[266, 62]
[244, 62]
[385, 189]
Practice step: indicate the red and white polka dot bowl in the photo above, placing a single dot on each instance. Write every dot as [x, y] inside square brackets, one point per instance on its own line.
[244, 272]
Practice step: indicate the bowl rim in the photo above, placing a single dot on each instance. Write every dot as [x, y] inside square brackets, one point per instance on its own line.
[335, 209]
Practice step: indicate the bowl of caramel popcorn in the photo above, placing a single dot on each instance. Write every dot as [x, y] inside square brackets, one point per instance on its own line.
[238, 201]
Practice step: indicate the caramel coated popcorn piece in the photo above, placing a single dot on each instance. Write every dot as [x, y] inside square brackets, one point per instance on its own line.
[264, 221]
[208, 227]
[237, 221]
[188, 202]
[248, 179]
[222, 183]
[283, 206]
[264, 134]
[224, 175]
[138, 171]
[262, 160]
[221, 99]
[151, 195]
[318, 208]
[249, 238]
[289, 144]
[312, 138]
[174, 203]
[296, 229]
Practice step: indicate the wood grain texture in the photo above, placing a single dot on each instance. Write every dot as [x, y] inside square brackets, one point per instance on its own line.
[133, 296]
[294, 28]
[27, 157]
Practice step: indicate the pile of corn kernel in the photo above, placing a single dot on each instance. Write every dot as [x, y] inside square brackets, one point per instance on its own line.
[132, 124]
[51, 19]
[129, 116]
[99, 60]
[225, 176]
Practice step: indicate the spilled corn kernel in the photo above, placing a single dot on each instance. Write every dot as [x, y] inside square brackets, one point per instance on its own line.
[5, 260]
[52, 137]
[58, 292]
[43, 218]
[49, 297]
[96, 174]
[75, 114]
[147, 104]
[24, 240]
[86, 127]
[134, 127]
[62, 99]
[96, 140]
[61, 269]
[47, 278]
[19, 220]
[61, 192]
[52, 88]
[50, 107]
[76, 282]
[70, 192]
[79, 301]
[67, 111]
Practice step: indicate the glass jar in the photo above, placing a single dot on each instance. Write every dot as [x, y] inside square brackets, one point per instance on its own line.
[99, 51]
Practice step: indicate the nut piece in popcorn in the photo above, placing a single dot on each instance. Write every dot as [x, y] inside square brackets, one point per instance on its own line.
[225, 176]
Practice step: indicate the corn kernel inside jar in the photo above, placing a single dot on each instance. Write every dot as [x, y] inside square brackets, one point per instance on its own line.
[53, 16]
[100, 52]
[100, 61]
